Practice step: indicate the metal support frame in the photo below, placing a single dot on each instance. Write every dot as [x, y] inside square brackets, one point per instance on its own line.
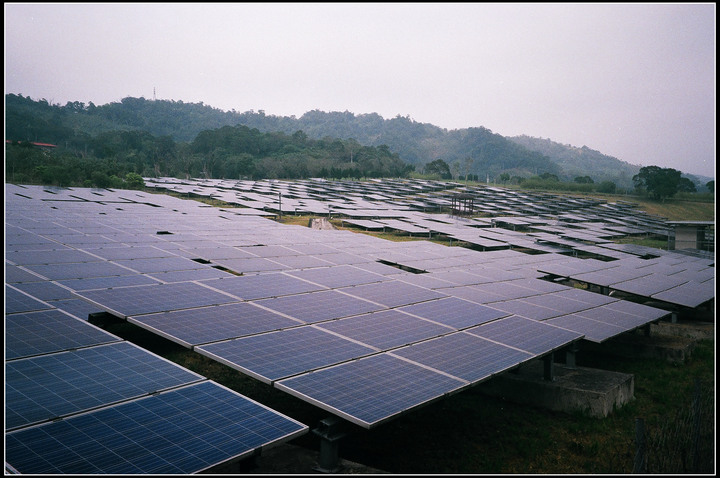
[330, 432]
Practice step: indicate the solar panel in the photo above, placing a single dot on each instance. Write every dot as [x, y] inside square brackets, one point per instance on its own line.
[182, 431]
[338, 276]
[107, 282]
[385, 329]
[276, 355]
[534, 337]
[45, 290]
[640, 310]
[139, 300]
[49, 257]
[319, 306]
[161, 264]
[615, 317]
[192, 327]
[649, 285]
[463, 355]
[392, 293]
[454, 312]
[593, 330]
[76, 307]
[46, 331]
[59, 384]
[261, 286]
[251, 264]
[207, 273]
[17, 301]
[371, 390]
[81, 270]
[690, 294]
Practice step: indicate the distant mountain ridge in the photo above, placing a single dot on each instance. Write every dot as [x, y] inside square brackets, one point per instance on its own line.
[476, 150]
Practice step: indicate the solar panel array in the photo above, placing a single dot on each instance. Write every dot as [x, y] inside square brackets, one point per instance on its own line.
[81, 400]
[340, 319]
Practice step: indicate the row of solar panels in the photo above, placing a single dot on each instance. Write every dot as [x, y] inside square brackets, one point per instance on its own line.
[315, 310]
[401, 213]
[349, 197]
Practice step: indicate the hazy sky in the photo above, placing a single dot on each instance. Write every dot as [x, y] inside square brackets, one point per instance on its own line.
[634, 81]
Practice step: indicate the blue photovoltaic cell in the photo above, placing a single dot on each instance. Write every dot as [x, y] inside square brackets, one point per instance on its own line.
[457, 313]
[591, 298]
[690, 294]
[34, 333]
[208, 273]
[610, 316]
[277, 355]
[191, 327]
[45, 290]
[385, 329]
[535, 337]
[338, 276]
[107, 282]
[393, 293]
[16, 301]
[161, 264]
[49, 386]
[139, 300]
[526, 309]
[77, 307]
[251, 264]
[465, 356]
[16, 274]
[640, 310]
[182, 431]
[319, 306]
[372, 390]
[593, 330]
[49, 257]
[262, 286]
[82, 270]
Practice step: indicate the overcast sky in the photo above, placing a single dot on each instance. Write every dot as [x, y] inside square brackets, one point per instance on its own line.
[634, 81]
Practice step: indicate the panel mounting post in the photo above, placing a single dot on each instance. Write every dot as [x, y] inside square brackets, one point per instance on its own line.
[570, 353]
[330, 433]
[548, 364]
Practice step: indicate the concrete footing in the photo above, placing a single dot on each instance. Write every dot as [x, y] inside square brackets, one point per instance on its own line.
[573, 389]
[674, 349]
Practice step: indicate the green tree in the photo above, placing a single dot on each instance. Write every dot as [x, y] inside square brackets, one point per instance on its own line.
[711, 186]
[439, 167]
[584, 180]
[659, 183]
[686, 186]
[134, 181]
[608, 187]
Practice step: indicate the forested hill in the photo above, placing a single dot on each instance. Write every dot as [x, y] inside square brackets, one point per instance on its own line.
[476, 151]
[582, 161]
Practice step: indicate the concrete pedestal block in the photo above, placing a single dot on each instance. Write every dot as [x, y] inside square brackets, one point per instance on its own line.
[578, 389]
